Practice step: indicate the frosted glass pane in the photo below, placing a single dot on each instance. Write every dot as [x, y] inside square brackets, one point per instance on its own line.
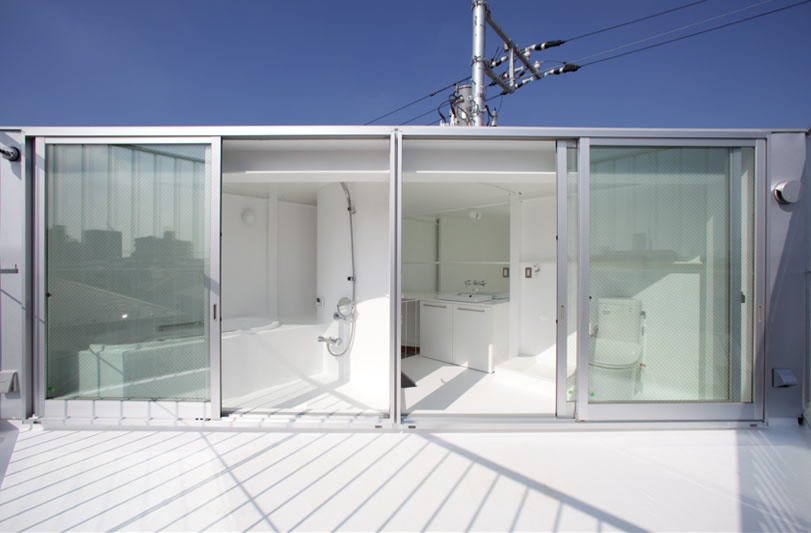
[127, 259]
[671, 286]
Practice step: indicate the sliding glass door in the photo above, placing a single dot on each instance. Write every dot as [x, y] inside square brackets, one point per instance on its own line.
[129, 281]
[670, 302]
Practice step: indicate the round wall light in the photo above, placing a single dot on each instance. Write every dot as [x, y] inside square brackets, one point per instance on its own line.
[248, 216]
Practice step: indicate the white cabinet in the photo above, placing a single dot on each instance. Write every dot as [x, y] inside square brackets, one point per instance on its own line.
[474, 336]
[436, 330]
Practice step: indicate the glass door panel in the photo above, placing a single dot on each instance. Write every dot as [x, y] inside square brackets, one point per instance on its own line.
[127, 261]
[671, 274]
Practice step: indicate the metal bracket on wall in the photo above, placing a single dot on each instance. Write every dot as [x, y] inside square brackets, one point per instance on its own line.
[9, 152]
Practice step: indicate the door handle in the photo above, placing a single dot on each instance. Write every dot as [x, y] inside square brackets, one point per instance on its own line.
[14, 270]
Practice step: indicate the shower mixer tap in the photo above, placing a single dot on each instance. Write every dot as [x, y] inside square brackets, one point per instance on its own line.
[332, 341]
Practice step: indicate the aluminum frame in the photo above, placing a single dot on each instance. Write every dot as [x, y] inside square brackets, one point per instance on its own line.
[148, 409]
[673, 411]
[563, 408]
[605, 137]
[395, 273]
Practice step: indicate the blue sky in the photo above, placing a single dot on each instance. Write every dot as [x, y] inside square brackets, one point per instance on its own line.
[206, 62]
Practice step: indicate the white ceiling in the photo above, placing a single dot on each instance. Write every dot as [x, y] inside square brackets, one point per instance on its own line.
[440, 175]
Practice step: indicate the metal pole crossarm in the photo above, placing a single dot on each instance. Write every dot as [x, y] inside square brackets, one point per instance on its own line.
[497, 80]
[511, 45]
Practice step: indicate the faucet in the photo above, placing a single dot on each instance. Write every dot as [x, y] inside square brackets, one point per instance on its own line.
[332, 341]
[475, 283]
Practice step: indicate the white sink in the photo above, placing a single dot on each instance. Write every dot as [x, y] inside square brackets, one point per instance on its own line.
[472, 297]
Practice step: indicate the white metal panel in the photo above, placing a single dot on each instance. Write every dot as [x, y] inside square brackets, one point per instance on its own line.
[14, 279]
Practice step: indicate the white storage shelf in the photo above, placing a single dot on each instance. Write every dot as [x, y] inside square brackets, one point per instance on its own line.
[469, 335]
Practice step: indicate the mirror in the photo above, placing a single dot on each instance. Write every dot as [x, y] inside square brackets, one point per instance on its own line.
[346, 308]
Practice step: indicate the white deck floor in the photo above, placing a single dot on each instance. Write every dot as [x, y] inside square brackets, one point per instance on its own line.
[685, 480]
[449, 389]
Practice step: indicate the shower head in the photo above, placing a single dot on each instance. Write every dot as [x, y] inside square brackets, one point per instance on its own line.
[349, 206]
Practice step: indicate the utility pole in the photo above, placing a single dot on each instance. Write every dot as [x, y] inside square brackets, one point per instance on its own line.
[468, 106]
[479, 90]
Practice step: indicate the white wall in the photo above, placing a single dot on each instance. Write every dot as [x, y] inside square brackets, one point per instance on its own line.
[538, 293]
[244, 257]
[419, 273]
[296, 262]
[464, 239]
[366, 365]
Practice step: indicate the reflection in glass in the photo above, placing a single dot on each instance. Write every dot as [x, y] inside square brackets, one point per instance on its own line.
[127, 258]
[671, 283]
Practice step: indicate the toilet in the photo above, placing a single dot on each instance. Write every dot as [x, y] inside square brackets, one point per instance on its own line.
[616, 350]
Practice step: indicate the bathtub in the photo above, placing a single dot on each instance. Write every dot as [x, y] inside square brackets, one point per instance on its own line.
[172, 368]
[259, 354]
[248, 323]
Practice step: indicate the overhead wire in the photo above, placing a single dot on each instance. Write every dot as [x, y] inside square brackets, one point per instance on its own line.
[708, 19]
[708, 30]
[647, 17]
[432, 110]
[595, 32]
[640, 19]
[418, 100]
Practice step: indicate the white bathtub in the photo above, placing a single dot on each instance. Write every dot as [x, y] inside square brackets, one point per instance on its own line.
[259, 354]
[248, 323]
[172, 368]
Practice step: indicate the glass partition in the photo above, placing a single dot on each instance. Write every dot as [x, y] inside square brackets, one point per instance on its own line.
[127, 281]
[671, 274]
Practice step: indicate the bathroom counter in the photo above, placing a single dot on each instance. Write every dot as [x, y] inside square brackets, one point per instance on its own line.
[434, 297]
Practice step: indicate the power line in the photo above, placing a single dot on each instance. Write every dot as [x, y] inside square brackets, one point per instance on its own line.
[708, 19]
[434, 93]
[568, 65]
[589, 34]
[432, 110]
[683, 37]
[431, 95]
